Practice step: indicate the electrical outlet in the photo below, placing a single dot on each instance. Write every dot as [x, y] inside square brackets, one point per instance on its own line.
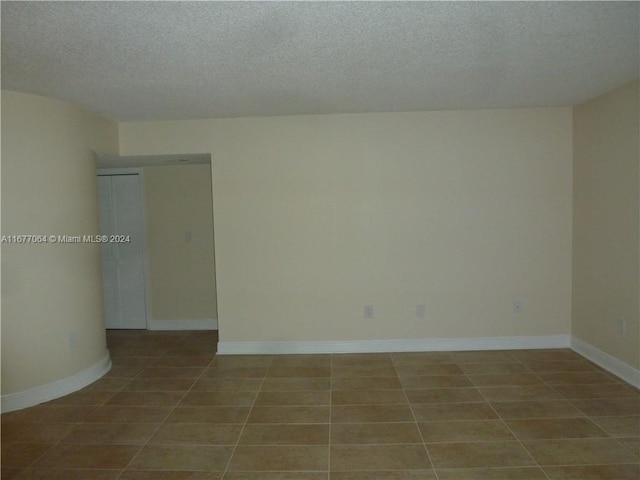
[517, 306]
[73, 339]
[421, 311]
[368, 312]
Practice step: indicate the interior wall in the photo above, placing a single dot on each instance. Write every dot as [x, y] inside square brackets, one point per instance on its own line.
[179, 223]
[316, 216]
[52, 320]
[606, 285]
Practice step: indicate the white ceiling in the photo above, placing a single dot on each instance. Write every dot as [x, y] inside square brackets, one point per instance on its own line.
[179, 60]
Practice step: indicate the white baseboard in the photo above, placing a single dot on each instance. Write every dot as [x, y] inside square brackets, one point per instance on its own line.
[373, 346]
[620, 369]
[59, 388]
[184, 324]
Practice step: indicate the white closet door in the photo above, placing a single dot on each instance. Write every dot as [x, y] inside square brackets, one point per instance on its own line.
[122, 262]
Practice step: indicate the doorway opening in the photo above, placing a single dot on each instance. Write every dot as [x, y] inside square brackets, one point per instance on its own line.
[176, 234]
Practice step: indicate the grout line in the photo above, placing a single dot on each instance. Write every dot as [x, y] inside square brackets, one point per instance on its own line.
[246, 420]
[415, 421]
[161, 423]
[514, 435]
[330, 418]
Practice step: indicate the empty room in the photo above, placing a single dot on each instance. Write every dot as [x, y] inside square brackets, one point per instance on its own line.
[320, 240]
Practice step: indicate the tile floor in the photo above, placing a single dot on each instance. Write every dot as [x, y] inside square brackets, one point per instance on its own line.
[169, 409]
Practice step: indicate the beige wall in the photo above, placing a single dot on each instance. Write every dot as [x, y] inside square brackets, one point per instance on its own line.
[52, 321]
[606, 288]
[316, 216]
[182, 271]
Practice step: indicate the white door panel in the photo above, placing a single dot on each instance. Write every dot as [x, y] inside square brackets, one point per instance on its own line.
[122, 262]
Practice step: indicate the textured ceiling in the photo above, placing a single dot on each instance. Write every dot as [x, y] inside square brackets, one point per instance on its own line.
[178, 60]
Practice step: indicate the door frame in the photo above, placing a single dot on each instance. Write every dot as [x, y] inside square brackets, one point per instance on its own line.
[146, 277]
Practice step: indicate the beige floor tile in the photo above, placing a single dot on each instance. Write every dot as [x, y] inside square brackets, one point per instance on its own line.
[541, 428]
[181, 362]
[479, 454]
[453, 411]
[490, 356]
[374, 433]
[88, 456]
[171, 372]
[436, 381]
[312, 434]
[578, 452]
[68, 474]
[171, 410]
[615, 426]
[196, 434]
[303, 372]
[379, 457]
[385, 475]
[208, 415]
[175, 457]
[169, 475]
[365, 383]
[578, 378]
[219, 398]
[602, 407]
[493, 368]
[578, 365]
[21, 432]
[445, 395]
[364, 371]
[416, 370]
[519, 392]
[318, 397]
[17, 455]
[507, 379]
[279, 458]
[294, 384]
[297, 414]
[302, 360]
[56, 413]
[84, 397]
[159, 384]
[111, 433]
[630, 443]
[422, 358]
[465, 431]
[368, 397]
[235, 372]
[610, 390]
[227, 384]
[594, 472]
[536, 409]
[545, 355]
[146, 399]
[233, 361]
[501, 473]
[275, 476]
[371, 413]
[361, 359]
[128, 414]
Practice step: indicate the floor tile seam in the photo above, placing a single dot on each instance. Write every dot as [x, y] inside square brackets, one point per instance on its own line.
[160, 424]
[246, 421]
[415, 422]
[624, 447]
[515, 436]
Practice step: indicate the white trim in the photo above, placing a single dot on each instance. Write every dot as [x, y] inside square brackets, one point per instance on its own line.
[620, 369]
[371, 346]
[59, 388]
[185, 324]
